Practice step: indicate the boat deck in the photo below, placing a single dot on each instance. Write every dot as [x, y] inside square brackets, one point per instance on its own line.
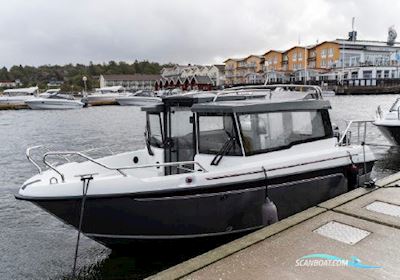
[361, 227]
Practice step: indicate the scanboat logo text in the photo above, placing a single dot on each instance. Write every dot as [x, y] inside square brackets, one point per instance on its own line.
[331, 261]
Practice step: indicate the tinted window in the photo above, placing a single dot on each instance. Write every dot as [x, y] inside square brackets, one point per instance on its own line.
[271, 131]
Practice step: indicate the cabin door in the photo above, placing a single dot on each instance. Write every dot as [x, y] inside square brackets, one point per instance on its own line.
[179, 144]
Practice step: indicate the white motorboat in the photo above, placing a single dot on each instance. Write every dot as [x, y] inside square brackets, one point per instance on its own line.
[213, 165]
[389, 122]
[17, 96]
[54, 100]
[106, 95]
[140, 98]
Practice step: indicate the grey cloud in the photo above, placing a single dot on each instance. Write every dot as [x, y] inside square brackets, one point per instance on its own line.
[184, 31]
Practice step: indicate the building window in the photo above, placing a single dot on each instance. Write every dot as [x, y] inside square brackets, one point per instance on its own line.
[323, 63]
[294, 56]
[379, 74]
[330, 52]
[386, 74]
[354, 75]
[367, 74]
[300, 56]
[323, 53]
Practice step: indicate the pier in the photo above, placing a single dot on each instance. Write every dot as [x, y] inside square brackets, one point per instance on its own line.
[13, 106]
[361, 229]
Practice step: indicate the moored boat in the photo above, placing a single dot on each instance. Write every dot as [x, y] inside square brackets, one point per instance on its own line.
[212, 166]
[18, 96]
[389, 122]
[140, 98]
[54, 101]
[106, 95]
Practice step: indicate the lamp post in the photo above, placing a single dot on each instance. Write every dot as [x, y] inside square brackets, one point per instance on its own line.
[84, 79]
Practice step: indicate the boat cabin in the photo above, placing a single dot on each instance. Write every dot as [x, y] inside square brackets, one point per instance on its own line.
[184, 126]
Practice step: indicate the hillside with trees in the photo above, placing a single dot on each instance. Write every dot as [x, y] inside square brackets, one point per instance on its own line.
[71, 74]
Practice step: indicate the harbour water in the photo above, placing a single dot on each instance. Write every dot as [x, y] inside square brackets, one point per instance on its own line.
[35, 245]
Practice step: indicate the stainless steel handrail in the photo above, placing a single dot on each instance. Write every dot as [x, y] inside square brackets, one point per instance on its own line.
[119, 169]
[347, 130]
[250, 88]
[398, 113]
[29, 157]
[316, 88]
[379, 112]
[241, 90]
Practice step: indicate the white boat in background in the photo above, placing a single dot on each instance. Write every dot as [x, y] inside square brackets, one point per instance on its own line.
[49, 92]
[54, 101]
[139, 98]
[106, 95]
[17, 96]
[389, 122]
[328, 93]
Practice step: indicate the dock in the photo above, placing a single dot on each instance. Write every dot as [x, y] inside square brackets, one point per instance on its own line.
[353, 236]
[13, 106]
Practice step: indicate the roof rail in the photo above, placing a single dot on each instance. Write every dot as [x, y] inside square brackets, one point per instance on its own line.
[270, 88]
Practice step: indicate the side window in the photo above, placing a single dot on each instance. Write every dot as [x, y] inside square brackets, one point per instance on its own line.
[276, 130]
[155, 130]
[302, 123]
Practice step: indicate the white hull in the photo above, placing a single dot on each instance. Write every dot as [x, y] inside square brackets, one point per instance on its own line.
[137, 100]
[53, 104]
[14, 100]
[94, 98]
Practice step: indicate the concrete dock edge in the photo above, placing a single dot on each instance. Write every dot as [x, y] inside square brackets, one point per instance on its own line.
[337, 204]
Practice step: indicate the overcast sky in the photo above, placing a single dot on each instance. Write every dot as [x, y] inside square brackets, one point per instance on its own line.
[38, 32]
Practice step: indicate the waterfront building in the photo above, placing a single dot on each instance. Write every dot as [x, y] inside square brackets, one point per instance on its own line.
[247, 70]
[192, 76]
[339, 59]
[10, 84]
[130, 82]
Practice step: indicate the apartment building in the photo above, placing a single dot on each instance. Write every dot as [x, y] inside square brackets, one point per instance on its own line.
[336, 59]
[130, 82]
[273, 60]
[248, 70]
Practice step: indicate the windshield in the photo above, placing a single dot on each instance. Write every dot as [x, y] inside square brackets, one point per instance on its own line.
[263, 132]
[214, 133]
[155, 132]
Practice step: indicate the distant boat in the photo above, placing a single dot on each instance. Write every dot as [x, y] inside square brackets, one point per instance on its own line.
[54, 100]
[328, 93]
[140, 98]
[389, 122]
[17, 96]
[106, 95]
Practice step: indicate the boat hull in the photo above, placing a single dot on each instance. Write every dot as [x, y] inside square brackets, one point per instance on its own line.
[213, 212]
[391, 133]
[138, 101]
[54, 104]
[14, 100]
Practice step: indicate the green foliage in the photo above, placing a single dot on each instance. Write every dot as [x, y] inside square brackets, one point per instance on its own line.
[72, 74]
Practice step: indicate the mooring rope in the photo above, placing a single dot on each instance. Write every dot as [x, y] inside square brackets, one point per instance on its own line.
[85, 181]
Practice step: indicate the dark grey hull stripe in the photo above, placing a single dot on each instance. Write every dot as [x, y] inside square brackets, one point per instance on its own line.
[167, 237]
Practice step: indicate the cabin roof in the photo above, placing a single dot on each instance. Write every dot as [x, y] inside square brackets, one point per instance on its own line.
[189, 99]
[260, 105]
